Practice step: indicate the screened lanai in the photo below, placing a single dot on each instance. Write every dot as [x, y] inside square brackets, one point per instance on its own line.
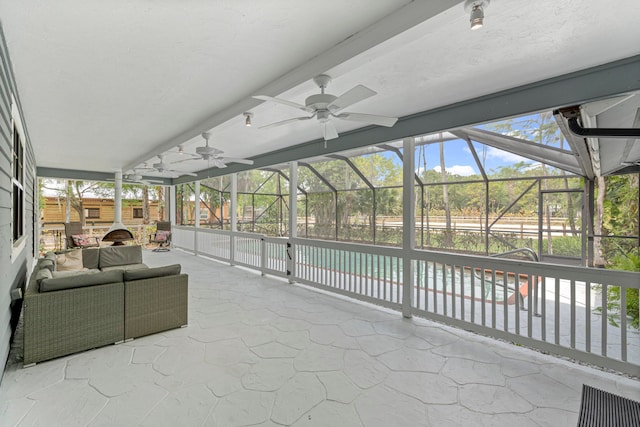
[513, 190]
[409, 252]
[503, 186]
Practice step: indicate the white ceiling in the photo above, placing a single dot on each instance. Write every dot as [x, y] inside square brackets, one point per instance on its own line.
[106, 85]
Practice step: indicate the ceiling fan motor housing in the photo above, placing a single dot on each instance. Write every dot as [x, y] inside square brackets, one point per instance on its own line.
[320, 101]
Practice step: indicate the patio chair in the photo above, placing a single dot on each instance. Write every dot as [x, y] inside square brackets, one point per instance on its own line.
[162, 236]
[76, 238]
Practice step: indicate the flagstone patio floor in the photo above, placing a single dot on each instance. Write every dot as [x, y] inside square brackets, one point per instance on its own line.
[259, 351]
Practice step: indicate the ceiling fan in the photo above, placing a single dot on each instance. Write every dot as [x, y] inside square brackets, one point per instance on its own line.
[213, 155]
[324, 107]
[136, 178]
[163, 167]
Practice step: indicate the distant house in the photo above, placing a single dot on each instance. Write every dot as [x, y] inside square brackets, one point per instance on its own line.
[98, 211]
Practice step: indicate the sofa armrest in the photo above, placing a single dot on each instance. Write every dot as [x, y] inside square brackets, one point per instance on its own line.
[156, 304]
[67, 321]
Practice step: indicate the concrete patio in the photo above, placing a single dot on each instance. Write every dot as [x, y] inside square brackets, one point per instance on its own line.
[259, 351]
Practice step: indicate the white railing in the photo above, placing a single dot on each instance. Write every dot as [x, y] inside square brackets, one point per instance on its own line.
[569, 315]
[369, 273]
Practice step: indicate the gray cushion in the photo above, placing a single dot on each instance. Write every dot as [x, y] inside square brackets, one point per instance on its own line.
[120, 255]
[167, 270]
[51, 256]
[125, 267]
[47, 263]
[90, 257]
[81, 280]
[74, 272]
[42, 274]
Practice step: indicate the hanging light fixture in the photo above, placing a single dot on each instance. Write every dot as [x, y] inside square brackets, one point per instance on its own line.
[476, 11]
[180, 150]
[247, 119]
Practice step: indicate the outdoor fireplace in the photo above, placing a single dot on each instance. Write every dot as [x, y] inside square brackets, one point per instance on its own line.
[118, 236]
[118, 233]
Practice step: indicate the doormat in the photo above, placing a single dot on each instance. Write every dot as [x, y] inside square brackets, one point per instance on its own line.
[600, 408]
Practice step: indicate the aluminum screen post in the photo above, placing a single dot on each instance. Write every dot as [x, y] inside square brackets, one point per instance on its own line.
[293, 220]
[408, 223]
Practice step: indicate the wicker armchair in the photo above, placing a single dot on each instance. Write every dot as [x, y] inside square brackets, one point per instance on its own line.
[162, 236]
[75, 229]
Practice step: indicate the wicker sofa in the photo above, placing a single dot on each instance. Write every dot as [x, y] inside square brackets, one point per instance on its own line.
[114, 298]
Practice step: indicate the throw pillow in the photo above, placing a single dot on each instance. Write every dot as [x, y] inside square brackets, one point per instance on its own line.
[80, 240]
[162, 235]
[69, 261]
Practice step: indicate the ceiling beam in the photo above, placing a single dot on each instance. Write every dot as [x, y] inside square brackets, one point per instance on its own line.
[80, 175]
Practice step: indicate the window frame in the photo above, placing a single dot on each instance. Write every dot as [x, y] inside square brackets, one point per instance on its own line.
[88, 214]
[136, 210]
[18, 183]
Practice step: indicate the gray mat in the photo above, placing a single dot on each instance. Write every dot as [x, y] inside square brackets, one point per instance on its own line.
[601, 408]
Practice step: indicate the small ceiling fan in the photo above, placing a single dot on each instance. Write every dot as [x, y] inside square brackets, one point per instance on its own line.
[213, 155]
[324, 107]
[163, 167]
[136, 178]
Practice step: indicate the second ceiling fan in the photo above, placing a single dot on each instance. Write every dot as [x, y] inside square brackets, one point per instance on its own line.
[213, 155]
[324, 106]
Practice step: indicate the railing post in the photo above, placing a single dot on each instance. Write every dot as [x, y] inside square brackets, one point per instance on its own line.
[263, 256]
[408, 223]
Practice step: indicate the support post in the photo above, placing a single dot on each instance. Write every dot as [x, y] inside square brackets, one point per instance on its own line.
[196, 222]
[170, 199]
[293, 220]
[233, 220]
[589, 203]
[234, 202]
[408, 224]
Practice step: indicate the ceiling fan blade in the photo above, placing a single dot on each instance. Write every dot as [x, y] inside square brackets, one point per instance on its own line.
[218, 163]
[350, 97]
[368, 118]
[329, 131]
[236, 160]
[195, 157]
[284, 102]
[284, 122]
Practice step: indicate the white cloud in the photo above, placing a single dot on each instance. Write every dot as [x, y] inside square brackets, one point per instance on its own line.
[460, 170]
[505, 156]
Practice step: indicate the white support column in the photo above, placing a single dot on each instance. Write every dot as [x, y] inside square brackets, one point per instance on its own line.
[67, 208]
[293, 219]
[408, 223]
[232, 217]
[233, 209]
[196, 222]
[117, 204]
[170, 199]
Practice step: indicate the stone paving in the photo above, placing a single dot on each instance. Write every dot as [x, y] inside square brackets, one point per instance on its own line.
[261, 352]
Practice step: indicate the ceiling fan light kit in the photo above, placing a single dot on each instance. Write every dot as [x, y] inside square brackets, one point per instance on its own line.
[324, 107]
